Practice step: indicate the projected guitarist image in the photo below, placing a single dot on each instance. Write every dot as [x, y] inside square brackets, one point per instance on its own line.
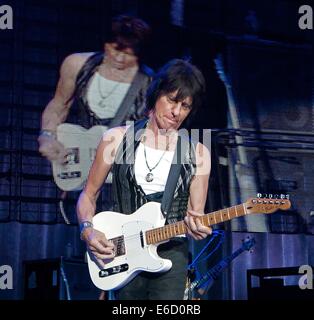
[176, 91]
[96, 90]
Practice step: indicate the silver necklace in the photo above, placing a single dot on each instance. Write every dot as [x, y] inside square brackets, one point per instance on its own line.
[150, 177]
[102, 101]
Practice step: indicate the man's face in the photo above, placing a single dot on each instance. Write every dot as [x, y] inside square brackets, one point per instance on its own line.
[120, 59]
[170, 113]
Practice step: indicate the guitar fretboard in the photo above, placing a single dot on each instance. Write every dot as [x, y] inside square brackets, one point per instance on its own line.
[171, 230]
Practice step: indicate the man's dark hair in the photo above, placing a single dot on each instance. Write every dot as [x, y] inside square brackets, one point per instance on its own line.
[177, 75]
[129, 32]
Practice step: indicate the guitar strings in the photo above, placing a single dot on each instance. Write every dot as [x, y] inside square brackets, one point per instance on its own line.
[132, 236]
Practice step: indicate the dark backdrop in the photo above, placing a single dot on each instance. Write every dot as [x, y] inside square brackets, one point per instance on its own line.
[268, 59]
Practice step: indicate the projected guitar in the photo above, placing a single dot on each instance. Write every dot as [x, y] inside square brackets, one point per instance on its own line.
[81, 145]
[136, 237]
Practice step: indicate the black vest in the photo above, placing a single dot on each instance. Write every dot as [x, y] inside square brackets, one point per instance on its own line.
[128, 196]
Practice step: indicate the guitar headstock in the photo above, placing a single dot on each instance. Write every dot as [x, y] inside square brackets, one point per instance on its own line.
[265, 205]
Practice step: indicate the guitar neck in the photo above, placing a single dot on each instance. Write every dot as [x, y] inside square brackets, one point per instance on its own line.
[172, 230]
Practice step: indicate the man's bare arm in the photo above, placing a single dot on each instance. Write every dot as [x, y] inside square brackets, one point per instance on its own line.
[86, 206]
[198, 194]
[58, 108]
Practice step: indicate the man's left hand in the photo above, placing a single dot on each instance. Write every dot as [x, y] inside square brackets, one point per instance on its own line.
[194, 226]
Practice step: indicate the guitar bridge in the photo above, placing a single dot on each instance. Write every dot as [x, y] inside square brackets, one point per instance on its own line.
[114, 270]
[119, 246]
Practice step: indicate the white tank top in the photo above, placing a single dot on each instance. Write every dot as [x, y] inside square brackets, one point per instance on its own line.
[160, 172]
[105, 96]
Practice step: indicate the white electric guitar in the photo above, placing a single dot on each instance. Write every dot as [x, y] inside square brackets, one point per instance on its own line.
[81, 145]
[136, 237]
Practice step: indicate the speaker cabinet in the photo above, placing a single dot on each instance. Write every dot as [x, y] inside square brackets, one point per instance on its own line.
[41, 279]
[272, 86]
[58, 279]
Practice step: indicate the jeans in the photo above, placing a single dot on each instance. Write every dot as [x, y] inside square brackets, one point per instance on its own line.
[168, 285]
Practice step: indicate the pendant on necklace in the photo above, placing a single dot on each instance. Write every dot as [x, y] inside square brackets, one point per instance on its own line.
[149, 177]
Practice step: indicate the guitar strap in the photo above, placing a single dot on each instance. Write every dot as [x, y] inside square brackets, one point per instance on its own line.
[183, 144]
[130, 97]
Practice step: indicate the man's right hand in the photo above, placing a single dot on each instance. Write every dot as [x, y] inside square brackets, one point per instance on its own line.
[52, 149]
[98, 244]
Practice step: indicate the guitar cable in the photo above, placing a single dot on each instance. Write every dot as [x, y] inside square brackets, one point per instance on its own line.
[197, 260]
[65, 280]
[215, 234]
[61, 207]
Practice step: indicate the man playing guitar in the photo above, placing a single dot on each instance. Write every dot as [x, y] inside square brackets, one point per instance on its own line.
[176, 92]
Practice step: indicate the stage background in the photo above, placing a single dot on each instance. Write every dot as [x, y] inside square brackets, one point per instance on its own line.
[268, 63]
